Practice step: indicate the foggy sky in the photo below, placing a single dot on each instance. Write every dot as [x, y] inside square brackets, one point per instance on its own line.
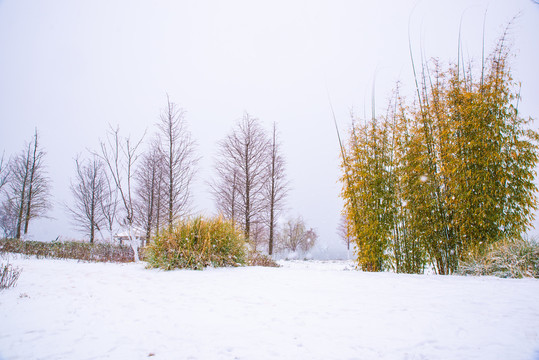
[71, 68]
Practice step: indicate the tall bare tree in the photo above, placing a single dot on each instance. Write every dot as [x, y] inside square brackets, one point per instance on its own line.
[179, 161]
[89, 191]
[242, 173]
[149, 177]
[276, 187]
[29, 185]
[120, 155]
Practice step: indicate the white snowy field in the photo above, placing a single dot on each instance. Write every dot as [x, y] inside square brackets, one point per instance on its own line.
[303, 310]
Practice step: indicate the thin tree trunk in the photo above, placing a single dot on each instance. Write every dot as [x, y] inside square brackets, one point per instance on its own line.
[170, 179]
[247, 194]
[30, 188]
[272, 191]
[92, 216]
[22, 196]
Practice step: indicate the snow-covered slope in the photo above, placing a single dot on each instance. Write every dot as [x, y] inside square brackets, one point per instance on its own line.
[313, 310]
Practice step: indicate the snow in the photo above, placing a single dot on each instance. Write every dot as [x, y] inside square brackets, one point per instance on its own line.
[304, 310]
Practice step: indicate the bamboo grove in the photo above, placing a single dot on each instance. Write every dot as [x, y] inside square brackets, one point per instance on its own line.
[436, 181]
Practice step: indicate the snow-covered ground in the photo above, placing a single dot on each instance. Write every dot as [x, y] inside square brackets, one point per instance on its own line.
[303, 310]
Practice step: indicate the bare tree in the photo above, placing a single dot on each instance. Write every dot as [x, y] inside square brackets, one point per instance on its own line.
[295, 236]
[120, 156]
[149, 177]
[109, 207]
[4, 172]
[344, 232]
[242, 173]
[259, 235]
[226, 190]
[7, 213]
[179, 161]
[89, 193]
[8, 217]
[29, 185]
[276, 188]
[18, 186]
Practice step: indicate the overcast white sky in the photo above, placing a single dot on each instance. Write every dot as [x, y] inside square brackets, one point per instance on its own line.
[70, 68]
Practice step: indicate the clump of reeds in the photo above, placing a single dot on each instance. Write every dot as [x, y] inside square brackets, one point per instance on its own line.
[8, 275]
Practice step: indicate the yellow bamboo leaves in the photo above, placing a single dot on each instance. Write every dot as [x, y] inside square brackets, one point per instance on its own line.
[437, 181]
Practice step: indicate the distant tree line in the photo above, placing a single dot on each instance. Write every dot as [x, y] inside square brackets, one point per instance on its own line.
[140, 188]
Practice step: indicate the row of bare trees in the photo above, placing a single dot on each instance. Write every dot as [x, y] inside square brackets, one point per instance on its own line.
[140, 188]
[150, 190]
[24, 189]
[251, 186]
[140, 192]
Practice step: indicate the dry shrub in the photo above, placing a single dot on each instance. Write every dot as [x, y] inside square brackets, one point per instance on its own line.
[198, 243]
[8, 275]
[258, 259]
[515, 259]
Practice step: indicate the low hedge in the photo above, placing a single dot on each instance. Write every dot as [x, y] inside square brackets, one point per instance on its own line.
[96, 252]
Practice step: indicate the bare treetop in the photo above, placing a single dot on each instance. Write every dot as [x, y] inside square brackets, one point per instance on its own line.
[179, 160]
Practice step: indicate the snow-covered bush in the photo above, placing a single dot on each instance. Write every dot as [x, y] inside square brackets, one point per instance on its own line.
[196, 244]
[8, 275]
[516, 259]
